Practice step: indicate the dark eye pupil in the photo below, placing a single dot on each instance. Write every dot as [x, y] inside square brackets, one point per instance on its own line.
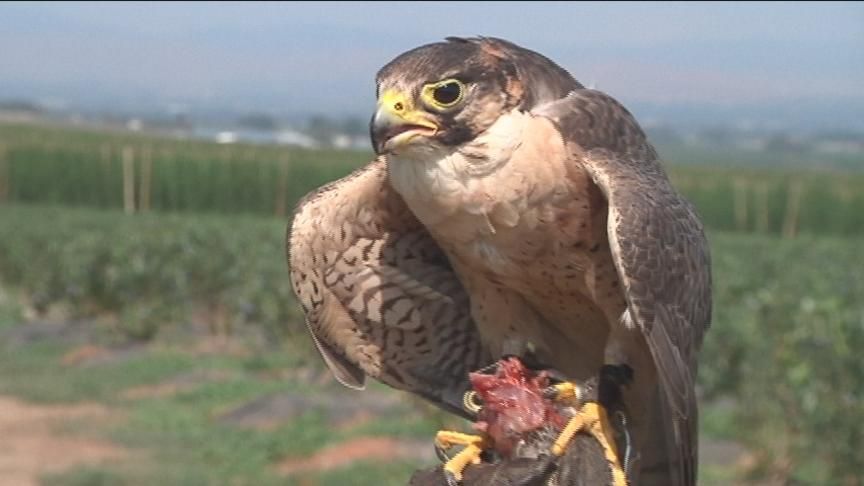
[447, 93]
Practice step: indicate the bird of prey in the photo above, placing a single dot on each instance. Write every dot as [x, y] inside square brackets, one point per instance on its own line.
[509, 211]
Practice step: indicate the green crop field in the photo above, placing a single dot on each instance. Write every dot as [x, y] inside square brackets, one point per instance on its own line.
[781, 357]
[124, 258]
[95, 169]
[734, 190]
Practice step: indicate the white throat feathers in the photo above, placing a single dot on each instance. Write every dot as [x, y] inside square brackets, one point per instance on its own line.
[450, 180]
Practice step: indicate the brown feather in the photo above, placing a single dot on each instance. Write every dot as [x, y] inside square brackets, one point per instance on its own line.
[550, 210]
[658, 244]
[380, 297]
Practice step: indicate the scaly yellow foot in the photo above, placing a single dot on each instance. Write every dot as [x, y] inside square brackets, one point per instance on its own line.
[474, 445]
[593, 420]
[563, 391]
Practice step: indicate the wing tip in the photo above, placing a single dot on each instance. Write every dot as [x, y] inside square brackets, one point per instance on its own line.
[355, 383]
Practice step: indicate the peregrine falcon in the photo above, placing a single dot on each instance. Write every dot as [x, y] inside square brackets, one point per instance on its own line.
[509, 211]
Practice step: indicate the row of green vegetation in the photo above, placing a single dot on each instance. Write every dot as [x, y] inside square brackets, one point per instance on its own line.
[782, 353]
[150, 270]
[139, 173]
[116, 170]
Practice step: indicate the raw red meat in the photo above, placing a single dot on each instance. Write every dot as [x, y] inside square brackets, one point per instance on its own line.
[513, 404]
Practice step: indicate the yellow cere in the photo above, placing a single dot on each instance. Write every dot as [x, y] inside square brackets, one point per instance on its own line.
[395, 101]
[400, 107]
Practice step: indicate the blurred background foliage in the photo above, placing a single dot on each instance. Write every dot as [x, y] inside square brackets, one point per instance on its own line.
[739, 191]
[148, 235]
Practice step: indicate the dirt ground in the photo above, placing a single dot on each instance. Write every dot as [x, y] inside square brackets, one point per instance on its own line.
[32, 444]
[359, 449]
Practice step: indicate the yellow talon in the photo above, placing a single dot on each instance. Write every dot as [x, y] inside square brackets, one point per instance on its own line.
[474, 445]
[593, 420]
[564, 391]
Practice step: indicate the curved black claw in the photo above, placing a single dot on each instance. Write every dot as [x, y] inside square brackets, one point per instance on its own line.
[627, 449]
[450, 478]
[550, 393]
[554, 375]
[441, 453]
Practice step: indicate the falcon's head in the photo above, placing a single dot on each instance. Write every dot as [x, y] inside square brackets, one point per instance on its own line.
[439, 96]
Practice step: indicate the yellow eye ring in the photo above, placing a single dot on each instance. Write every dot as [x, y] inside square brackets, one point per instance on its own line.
[443, 94]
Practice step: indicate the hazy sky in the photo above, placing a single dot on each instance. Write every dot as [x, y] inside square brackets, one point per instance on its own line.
[323, 56]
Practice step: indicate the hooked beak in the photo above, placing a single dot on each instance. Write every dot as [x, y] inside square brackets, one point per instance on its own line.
[396, 123]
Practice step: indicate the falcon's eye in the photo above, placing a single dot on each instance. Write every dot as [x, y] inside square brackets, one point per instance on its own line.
[447, 94]
[444, 94]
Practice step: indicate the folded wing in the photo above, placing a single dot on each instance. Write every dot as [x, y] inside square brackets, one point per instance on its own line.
[658, 245]
[379, 295]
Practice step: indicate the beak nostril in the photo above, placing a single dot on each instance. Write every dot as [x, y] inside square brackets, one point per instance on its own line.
[398, 106]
